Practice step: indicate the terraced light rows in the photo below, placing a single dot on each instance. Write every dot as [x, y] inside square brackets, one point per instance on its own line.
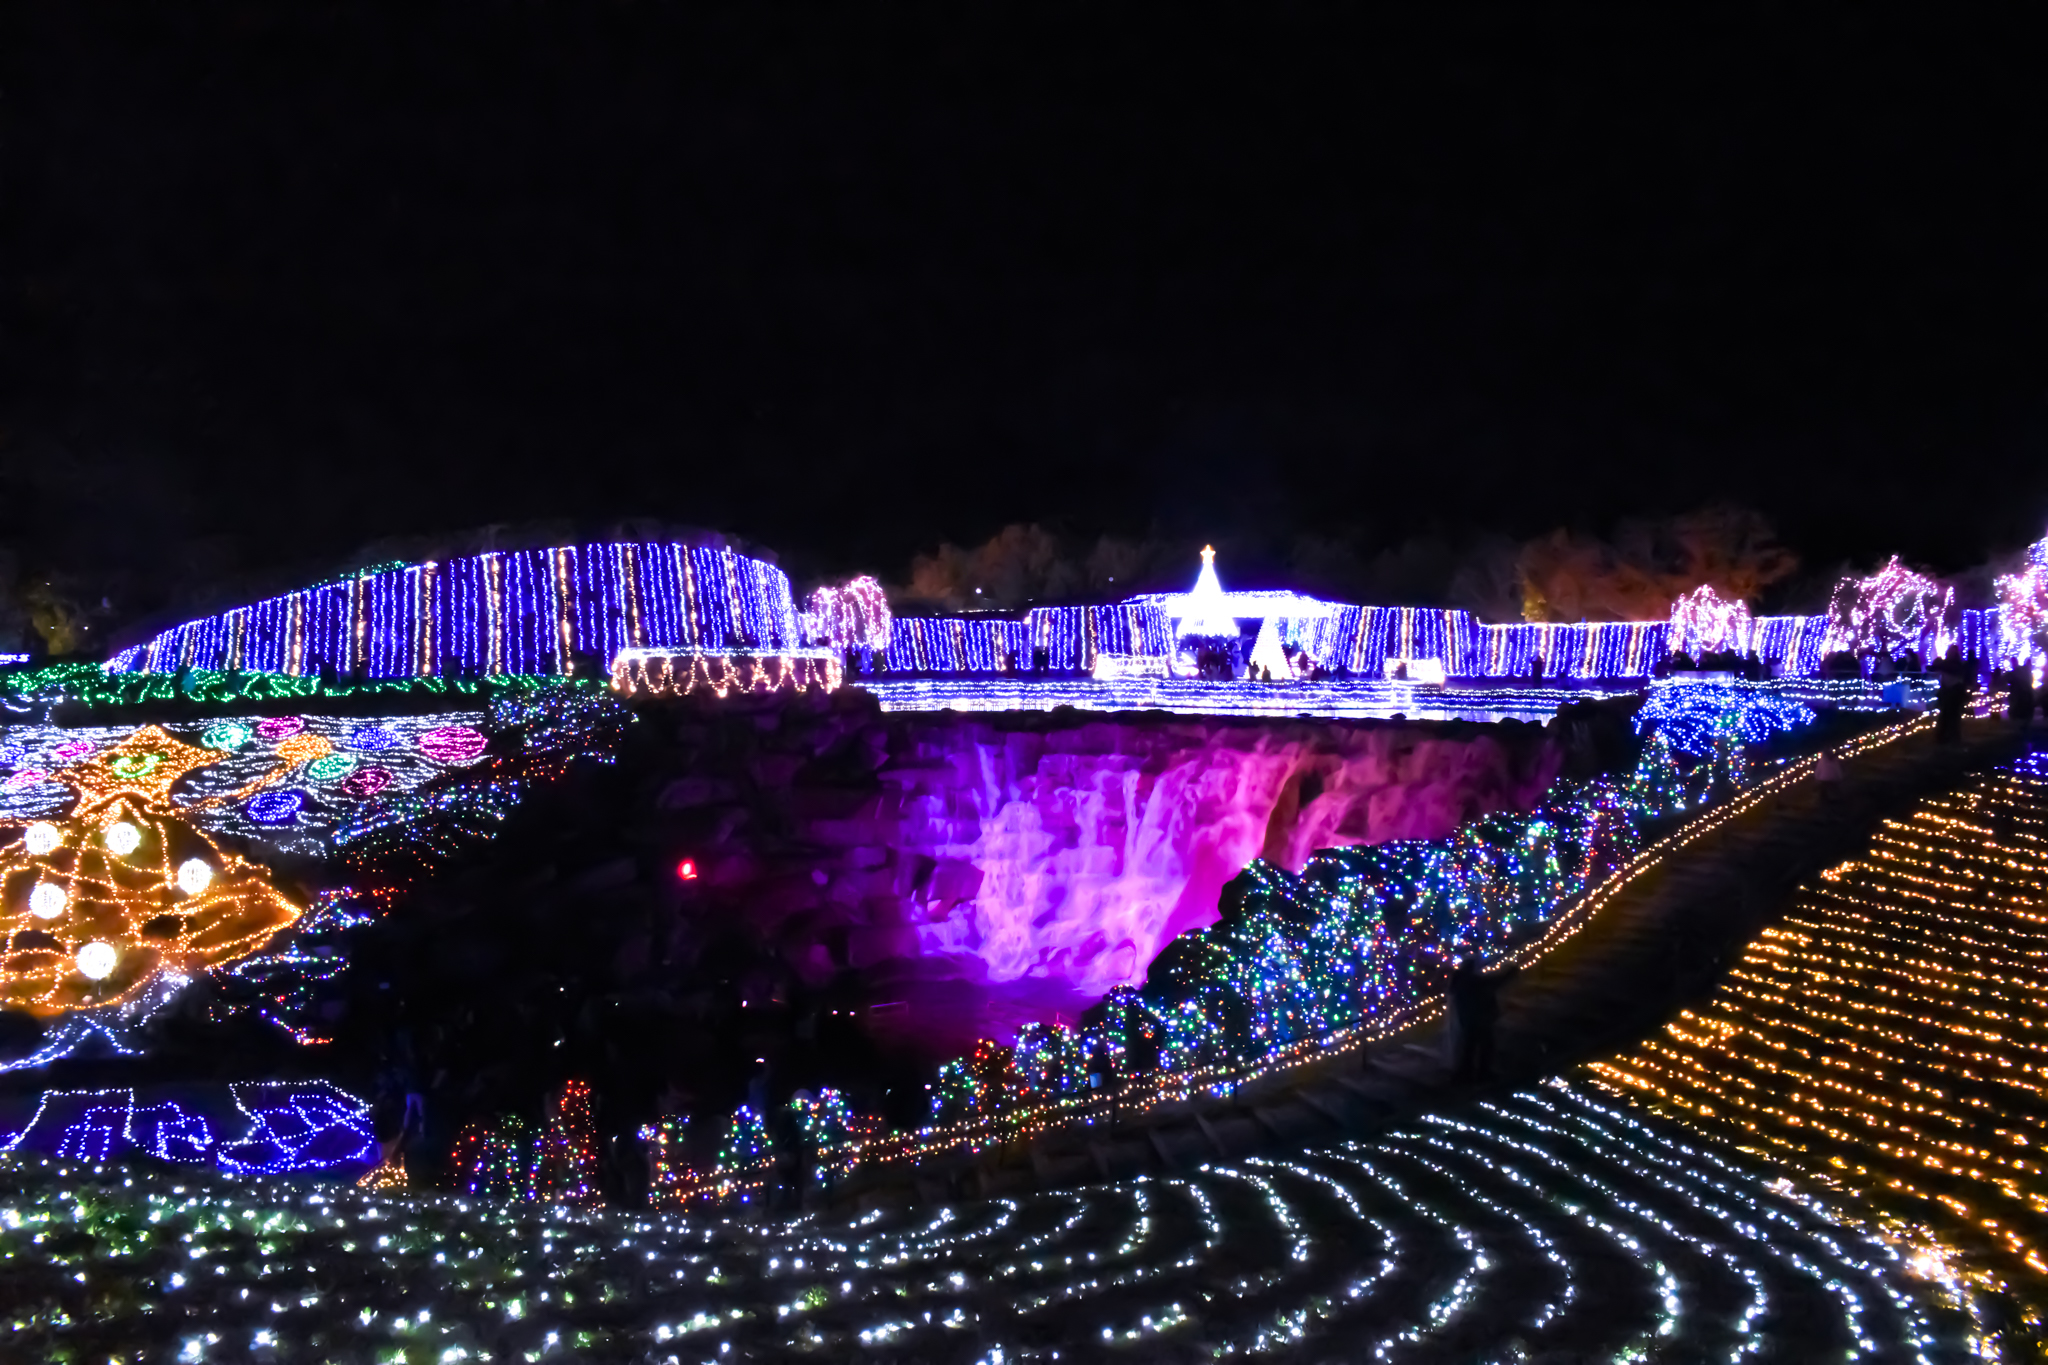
[1888, 1038]
[1551, 1225]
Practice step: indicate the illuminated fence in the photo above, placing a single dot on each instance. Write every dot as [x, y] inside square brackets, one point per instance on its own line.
[1361, 640]
[953, 644]
[1609, 649]
[527, 611]
[1071, 637]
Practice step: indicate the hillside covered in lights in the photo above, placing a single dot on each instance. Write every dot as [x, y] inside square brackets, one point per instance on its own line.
[610, 892]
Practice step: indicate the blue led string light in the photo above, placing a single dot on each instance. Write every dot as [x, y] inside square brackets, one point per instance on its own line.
[527, 612]
[1691, 716]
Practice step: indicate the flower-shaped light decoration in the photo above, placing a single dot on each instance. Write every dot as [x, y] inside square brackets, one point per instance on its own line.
[453, 744]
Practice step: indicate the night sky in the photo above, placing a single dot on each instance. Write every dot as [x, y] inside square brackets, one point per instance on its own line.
[279, 281]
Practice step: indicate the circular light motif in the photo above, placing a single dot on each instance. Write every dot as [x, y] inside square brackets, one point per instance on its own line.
[279, 727]
[41, 838]
[96, 961]
[48, 900]
[275, 808]
[123, 838]
[330, 767]
[452, 744]
[296, 749]
[67, 753]
[134, 765]
[225, 734]
[371, 738]
[194, 876]
[366, 782]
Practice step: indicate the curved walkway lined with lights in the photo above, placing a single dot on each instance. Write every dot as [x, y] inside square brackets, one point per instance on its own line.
[1620, 966]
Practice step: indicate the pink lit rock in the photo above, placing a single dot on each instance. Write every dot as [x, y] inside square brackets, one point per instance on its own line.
[979, 872]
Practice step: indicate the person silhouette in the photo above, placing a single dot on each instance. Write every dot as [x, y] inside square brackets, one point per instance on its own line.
[1475, 1009]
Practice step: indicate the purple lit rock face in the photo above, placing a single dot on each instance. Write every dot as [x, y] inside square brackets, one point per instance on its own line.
[986, 871]
[1075, 856]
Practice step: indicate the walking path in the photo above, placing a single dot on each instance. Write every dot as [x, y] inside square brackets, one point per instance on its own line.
[1633, 952]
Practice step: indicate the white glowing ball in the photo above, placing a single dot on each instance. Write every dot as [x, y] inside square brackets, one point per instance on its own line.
[194, 876]
[96, 961]
[123, 838]
[41, 837]
[48, 900]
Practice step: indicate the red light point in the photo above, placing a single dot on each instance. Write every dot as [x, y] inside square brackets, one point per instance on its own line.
[687, 869]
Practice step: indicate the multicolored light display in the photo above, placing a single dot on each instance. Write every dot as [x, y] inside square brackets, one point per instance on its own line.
[1839, 1170]
[537, 612]
[1243, 1004]
[123, 896]
[1357, 945]
[286, 780]
[109, 910]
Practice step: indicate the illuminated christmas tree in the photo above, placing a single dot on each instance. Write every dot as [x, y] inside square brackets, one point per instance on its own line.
[565, 1158]
[671, 1177]
[1047, 1064]
[495, 1159]
[956, 1094]
[1893, 609]
[1657, 787]
[831, 1131]
[747, 1143]
[385, 1175]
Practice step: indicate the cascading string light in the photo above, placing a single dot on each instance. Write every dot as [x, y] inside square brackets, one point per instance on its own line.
[529, 611]
[535, 611]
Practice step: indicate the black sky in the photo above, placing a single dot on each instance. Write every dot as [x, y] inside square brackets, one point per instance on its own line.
[283, 279]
